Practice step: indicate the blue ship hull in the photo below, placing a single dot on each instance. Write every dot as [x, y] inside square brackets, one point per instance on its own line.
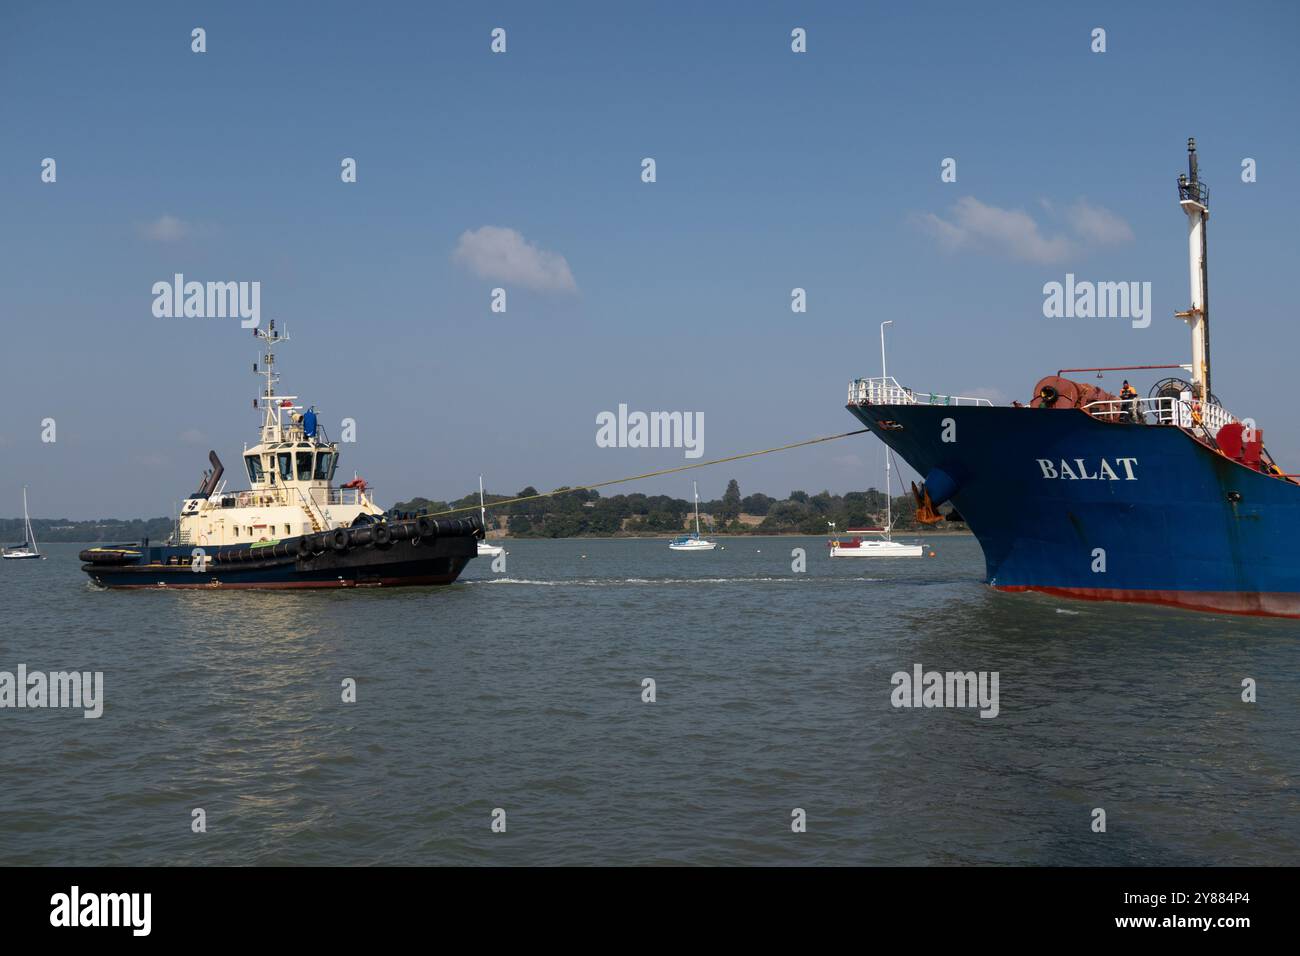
[1064, 503]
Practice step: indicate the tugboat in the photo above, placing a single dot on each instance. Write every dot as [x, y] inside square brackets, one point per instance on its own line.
[1169, 499]
[292, 528]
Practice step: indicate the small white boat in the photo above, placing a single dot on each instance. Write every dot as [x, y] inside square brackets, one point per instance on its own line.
[486, 550]
[866, 548]
[28, 548]
[693, 542]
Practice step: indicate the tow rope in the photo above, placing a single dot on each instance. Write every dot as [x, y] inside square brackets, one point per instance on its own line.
[649, 474]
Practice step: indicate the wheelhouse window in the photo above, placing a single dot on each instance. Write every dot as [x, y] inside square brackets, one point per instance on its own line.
[286, 466]
[324, 463]
[254, 464]
[304, 466]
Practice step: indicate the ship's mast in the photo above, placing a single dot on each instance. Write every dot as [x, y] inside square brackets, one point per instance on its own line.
[272, 428]
[1194, 197]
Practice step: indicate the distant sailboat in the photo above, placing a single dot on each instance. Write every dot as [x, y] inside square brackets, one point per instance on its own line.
[883, 547]
[28, 548]
[693, 542]
[486, 550]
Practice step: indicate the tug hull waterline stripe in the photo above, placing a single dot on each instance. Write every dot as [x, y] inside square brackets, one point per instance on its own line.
[1166, 500]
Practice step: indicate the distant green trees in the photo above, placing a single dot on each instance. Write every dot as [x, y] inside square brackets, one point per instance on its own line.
[108, 530]
[731, 501]
[575, 513]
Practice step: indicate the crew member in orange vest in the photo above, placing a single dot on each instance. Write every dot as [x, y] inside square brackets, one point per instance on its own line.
[1129, 395]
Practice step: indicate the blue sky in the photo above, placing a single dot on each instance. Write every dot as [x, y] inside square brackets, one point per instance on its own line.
[775, 170]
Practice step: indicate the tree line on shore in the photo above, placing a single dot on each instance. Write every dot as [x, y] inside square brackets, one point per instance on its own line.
[578, 513]
[575, 513]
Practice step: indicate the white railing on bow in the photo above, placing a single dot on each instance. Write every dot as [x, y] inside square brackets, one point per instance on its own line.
[887, 391]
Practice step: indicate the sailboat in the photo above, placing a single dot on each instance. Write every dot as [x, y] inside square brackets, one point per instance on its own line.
[693, 542]
[884, 546]
[28, 548]
[486, 550]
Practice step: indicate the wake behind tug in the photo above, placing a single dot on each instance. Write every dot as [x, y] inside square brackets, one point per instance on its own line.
[292, 528]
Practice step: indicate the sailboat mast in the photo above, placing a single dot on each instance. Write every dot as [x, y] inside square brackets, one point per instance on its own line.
[884, 383]
[482, 510]
[696, 486]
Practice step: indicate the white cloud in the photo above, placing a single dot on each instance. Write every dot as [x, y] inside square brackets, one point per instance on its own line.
[972, 224]
[166, 229]
[1098, 225]
[494, 252]
[1013, 232]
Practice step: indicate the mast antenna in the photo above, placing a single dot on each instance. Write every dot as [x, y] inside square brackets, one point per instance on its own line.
[270, 337]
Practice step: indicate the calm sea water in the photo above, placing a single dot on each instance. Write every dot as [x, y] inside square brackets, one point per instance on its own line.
[523, 691]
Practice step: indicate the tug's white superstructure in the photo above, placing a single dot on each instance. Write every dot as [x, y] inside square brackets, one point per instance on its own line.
[290, 473]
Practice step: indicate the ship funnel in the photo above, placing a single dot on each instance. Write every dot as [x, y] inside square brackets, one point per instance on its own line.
[211, 478]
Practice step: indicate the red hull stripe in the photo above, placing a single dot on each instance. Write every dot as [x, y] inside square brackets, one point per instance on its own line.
[1272, 604]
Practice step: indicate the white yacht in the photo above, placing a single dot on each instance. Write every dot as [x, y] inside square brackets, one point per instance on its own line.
[486, 550]
[693, 542]
[28, 548]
